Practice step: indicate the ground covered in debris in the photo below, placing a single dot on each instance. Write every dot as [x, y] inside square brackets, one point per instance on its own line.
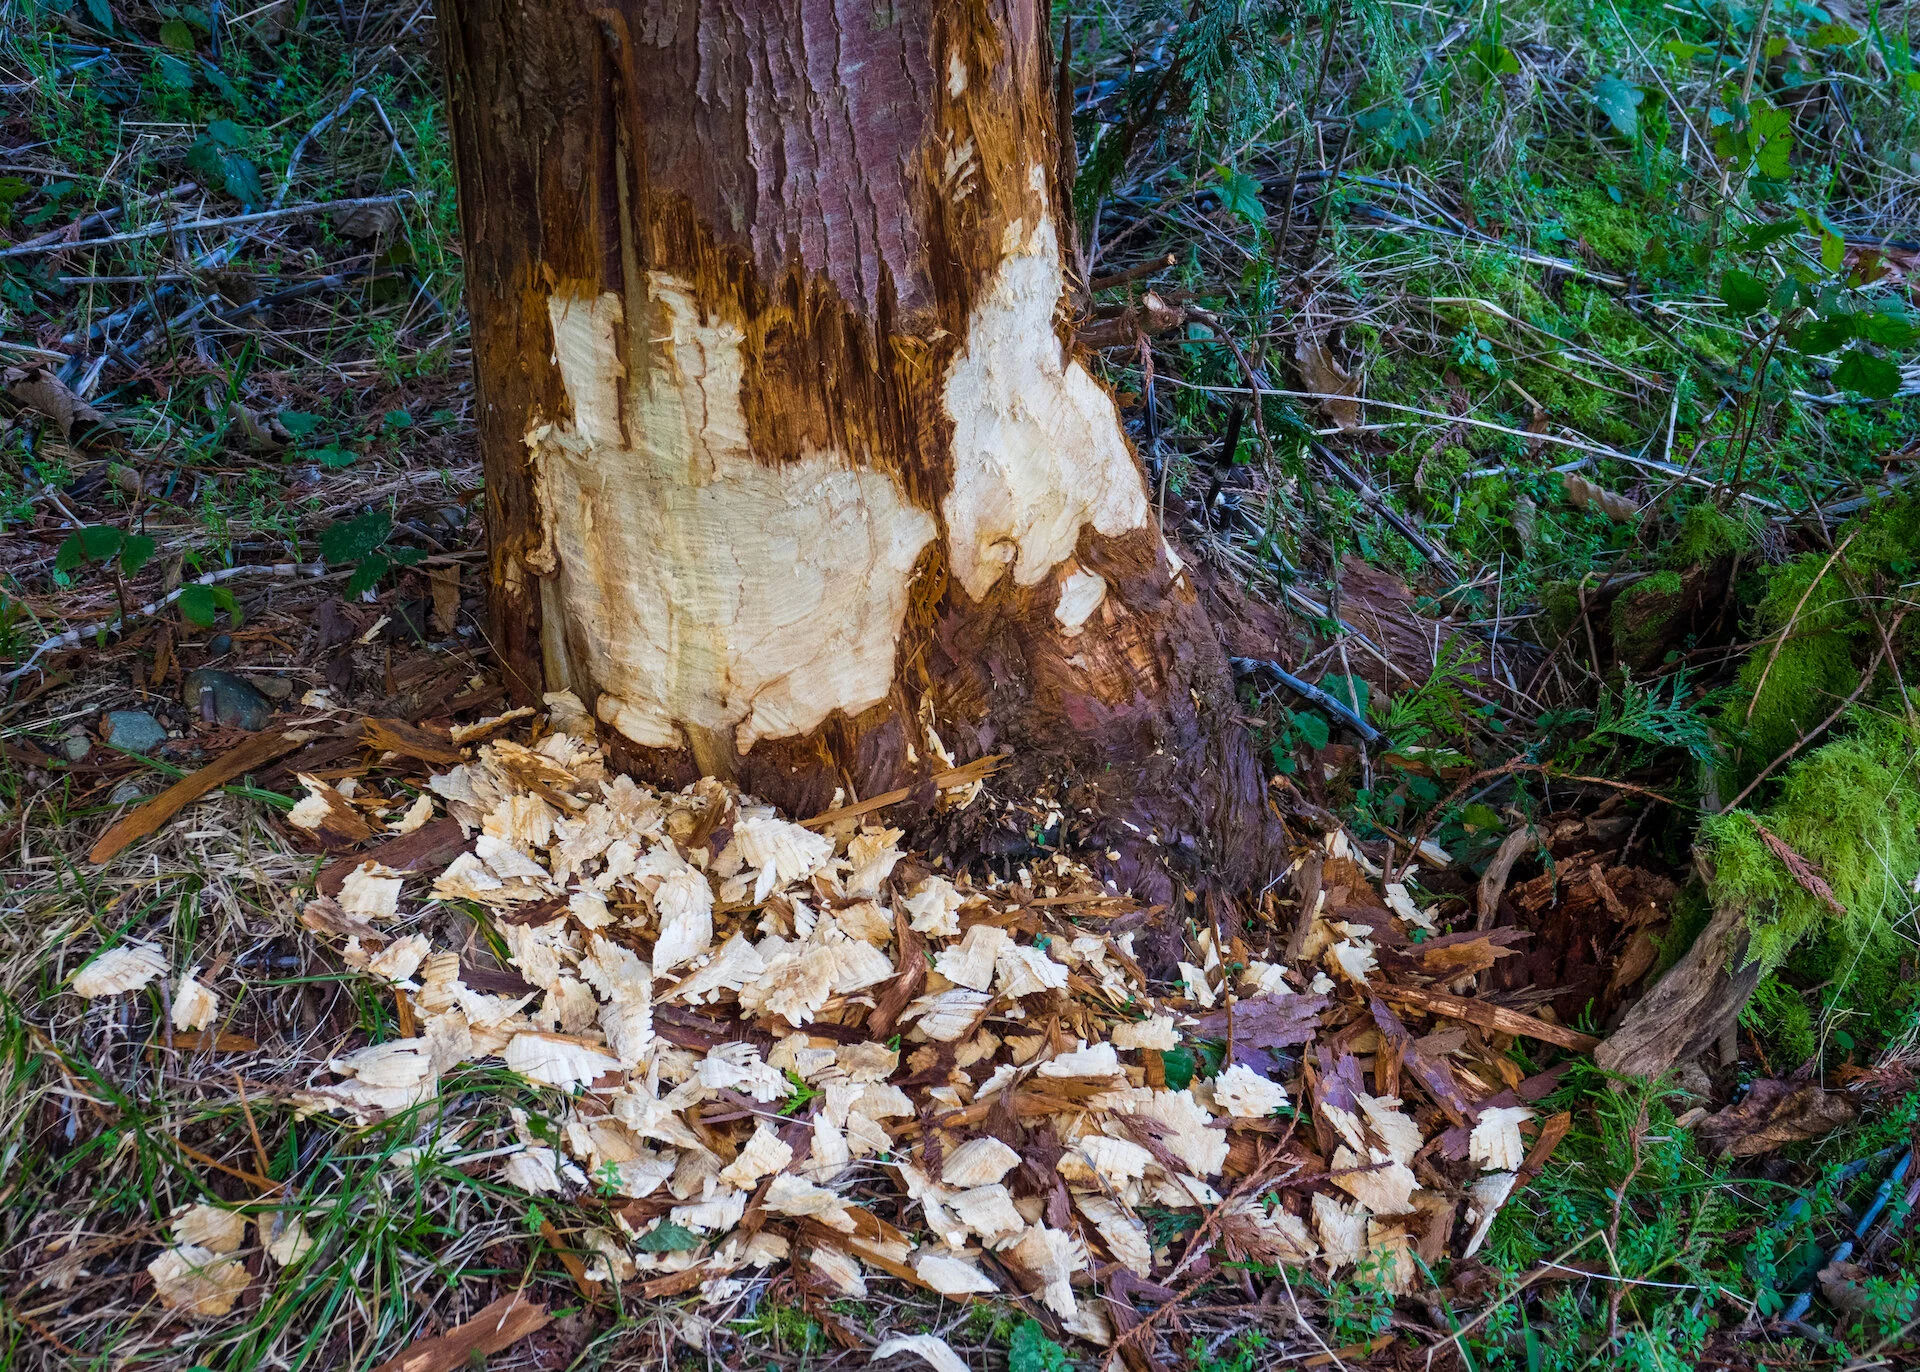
[1526, 387]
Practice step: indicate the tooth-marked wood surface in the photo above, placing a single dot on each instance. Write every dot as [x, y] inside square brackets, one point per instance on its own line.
[793, 477]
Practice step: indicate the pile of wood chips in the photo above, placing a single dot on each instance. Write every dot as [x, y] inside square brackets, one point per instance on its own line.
[786, 1043]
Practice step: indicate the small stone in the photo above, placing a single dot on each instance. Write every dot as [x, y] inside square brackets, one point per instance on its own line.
[132, 731]
[272, 687]
[126, 793]
[220, 645]
[77, 748]
[236, 704]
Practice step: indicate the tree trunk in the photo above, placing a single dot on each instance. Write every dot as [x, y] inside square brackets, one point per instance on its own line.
[793, 476]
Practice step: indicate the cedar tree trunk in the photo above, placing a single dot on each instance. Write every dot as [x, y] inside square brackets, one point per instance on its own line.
[793, 476]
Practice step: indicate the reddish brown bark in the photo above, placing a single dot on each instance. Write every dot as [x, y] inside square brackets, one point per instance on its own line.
[835, 184]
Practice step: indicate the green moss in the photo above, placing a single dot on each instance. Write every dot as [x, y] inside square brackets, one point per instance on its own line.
[1779, 1014]
[1812, 674]
[1706, 534]
[1690, 913]
[1851, 809]
[1616, 233]
[1561, 603]
[1641, 615]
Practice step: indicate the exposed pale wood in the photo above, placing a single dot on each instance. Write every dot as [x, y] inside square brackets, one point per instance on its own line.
[794, 475]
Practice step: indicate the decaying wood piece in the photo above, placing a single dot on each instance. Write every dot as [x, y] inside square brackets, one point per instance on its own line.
[1698, 1000]
[794, 477]
[499, 1326]
[239, 760]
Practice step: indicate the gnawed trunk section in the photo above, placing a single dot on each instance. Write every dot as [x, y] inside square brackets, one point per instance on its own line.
[792, 476]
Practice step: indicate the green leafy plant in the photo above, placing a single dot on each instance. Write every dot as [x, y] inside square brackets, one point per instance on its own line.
[1030, 1350]
[121, 553]
[1644, 720]
[216, 161]
[667, 1237]
[363, 543]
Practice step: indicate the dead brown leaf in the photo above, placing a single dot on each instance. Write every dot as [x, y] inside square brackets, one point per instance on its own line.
[446, 597]
[40, 390]
[1587, 495]
[367, 221]
[1321, 373]
[1773, 1114]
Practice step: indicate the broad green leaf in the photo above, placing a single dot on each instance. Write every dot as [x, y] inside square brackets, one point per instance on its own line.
[1179, 1065]
[349, 540]
[1489, 60]
[174, 74]
[242, 180]
[299, 423]
[406, 557]
[1620, 102]
[1481, 818]
[95, 543]
[1311, 727]
[102, 13]
[1745, 294]
[1869, 375]
[1888, 330]
[397, 419]
[1771, 131]
[667, 1238]
[197, 605]
[1240, 195]
[136, 550]
[203, 159]
[367, 575]
[227, 133]
[1765, 235]
[1350, 691]
[177, 34]
[1834, 36]
[335, 456]
[1833, 251]
[1681, 51]
[1824, 335]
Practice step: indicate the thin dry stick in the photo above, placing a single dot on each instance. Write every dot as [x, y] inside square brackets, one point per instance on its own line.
[1600, 450]
[1638, 1133]
[73, 638]
[259, 1148]
[1539, 1272]
[232, 221]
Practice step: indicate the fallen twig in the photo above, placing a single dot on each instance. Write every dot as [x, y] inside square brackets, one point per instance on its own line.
[73, 638]
[232, 221]
[138, 823]
[1313, 693]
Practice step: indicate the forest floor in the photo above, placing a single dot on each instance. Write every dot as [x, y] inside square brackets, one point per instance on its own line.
[1529, 380]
